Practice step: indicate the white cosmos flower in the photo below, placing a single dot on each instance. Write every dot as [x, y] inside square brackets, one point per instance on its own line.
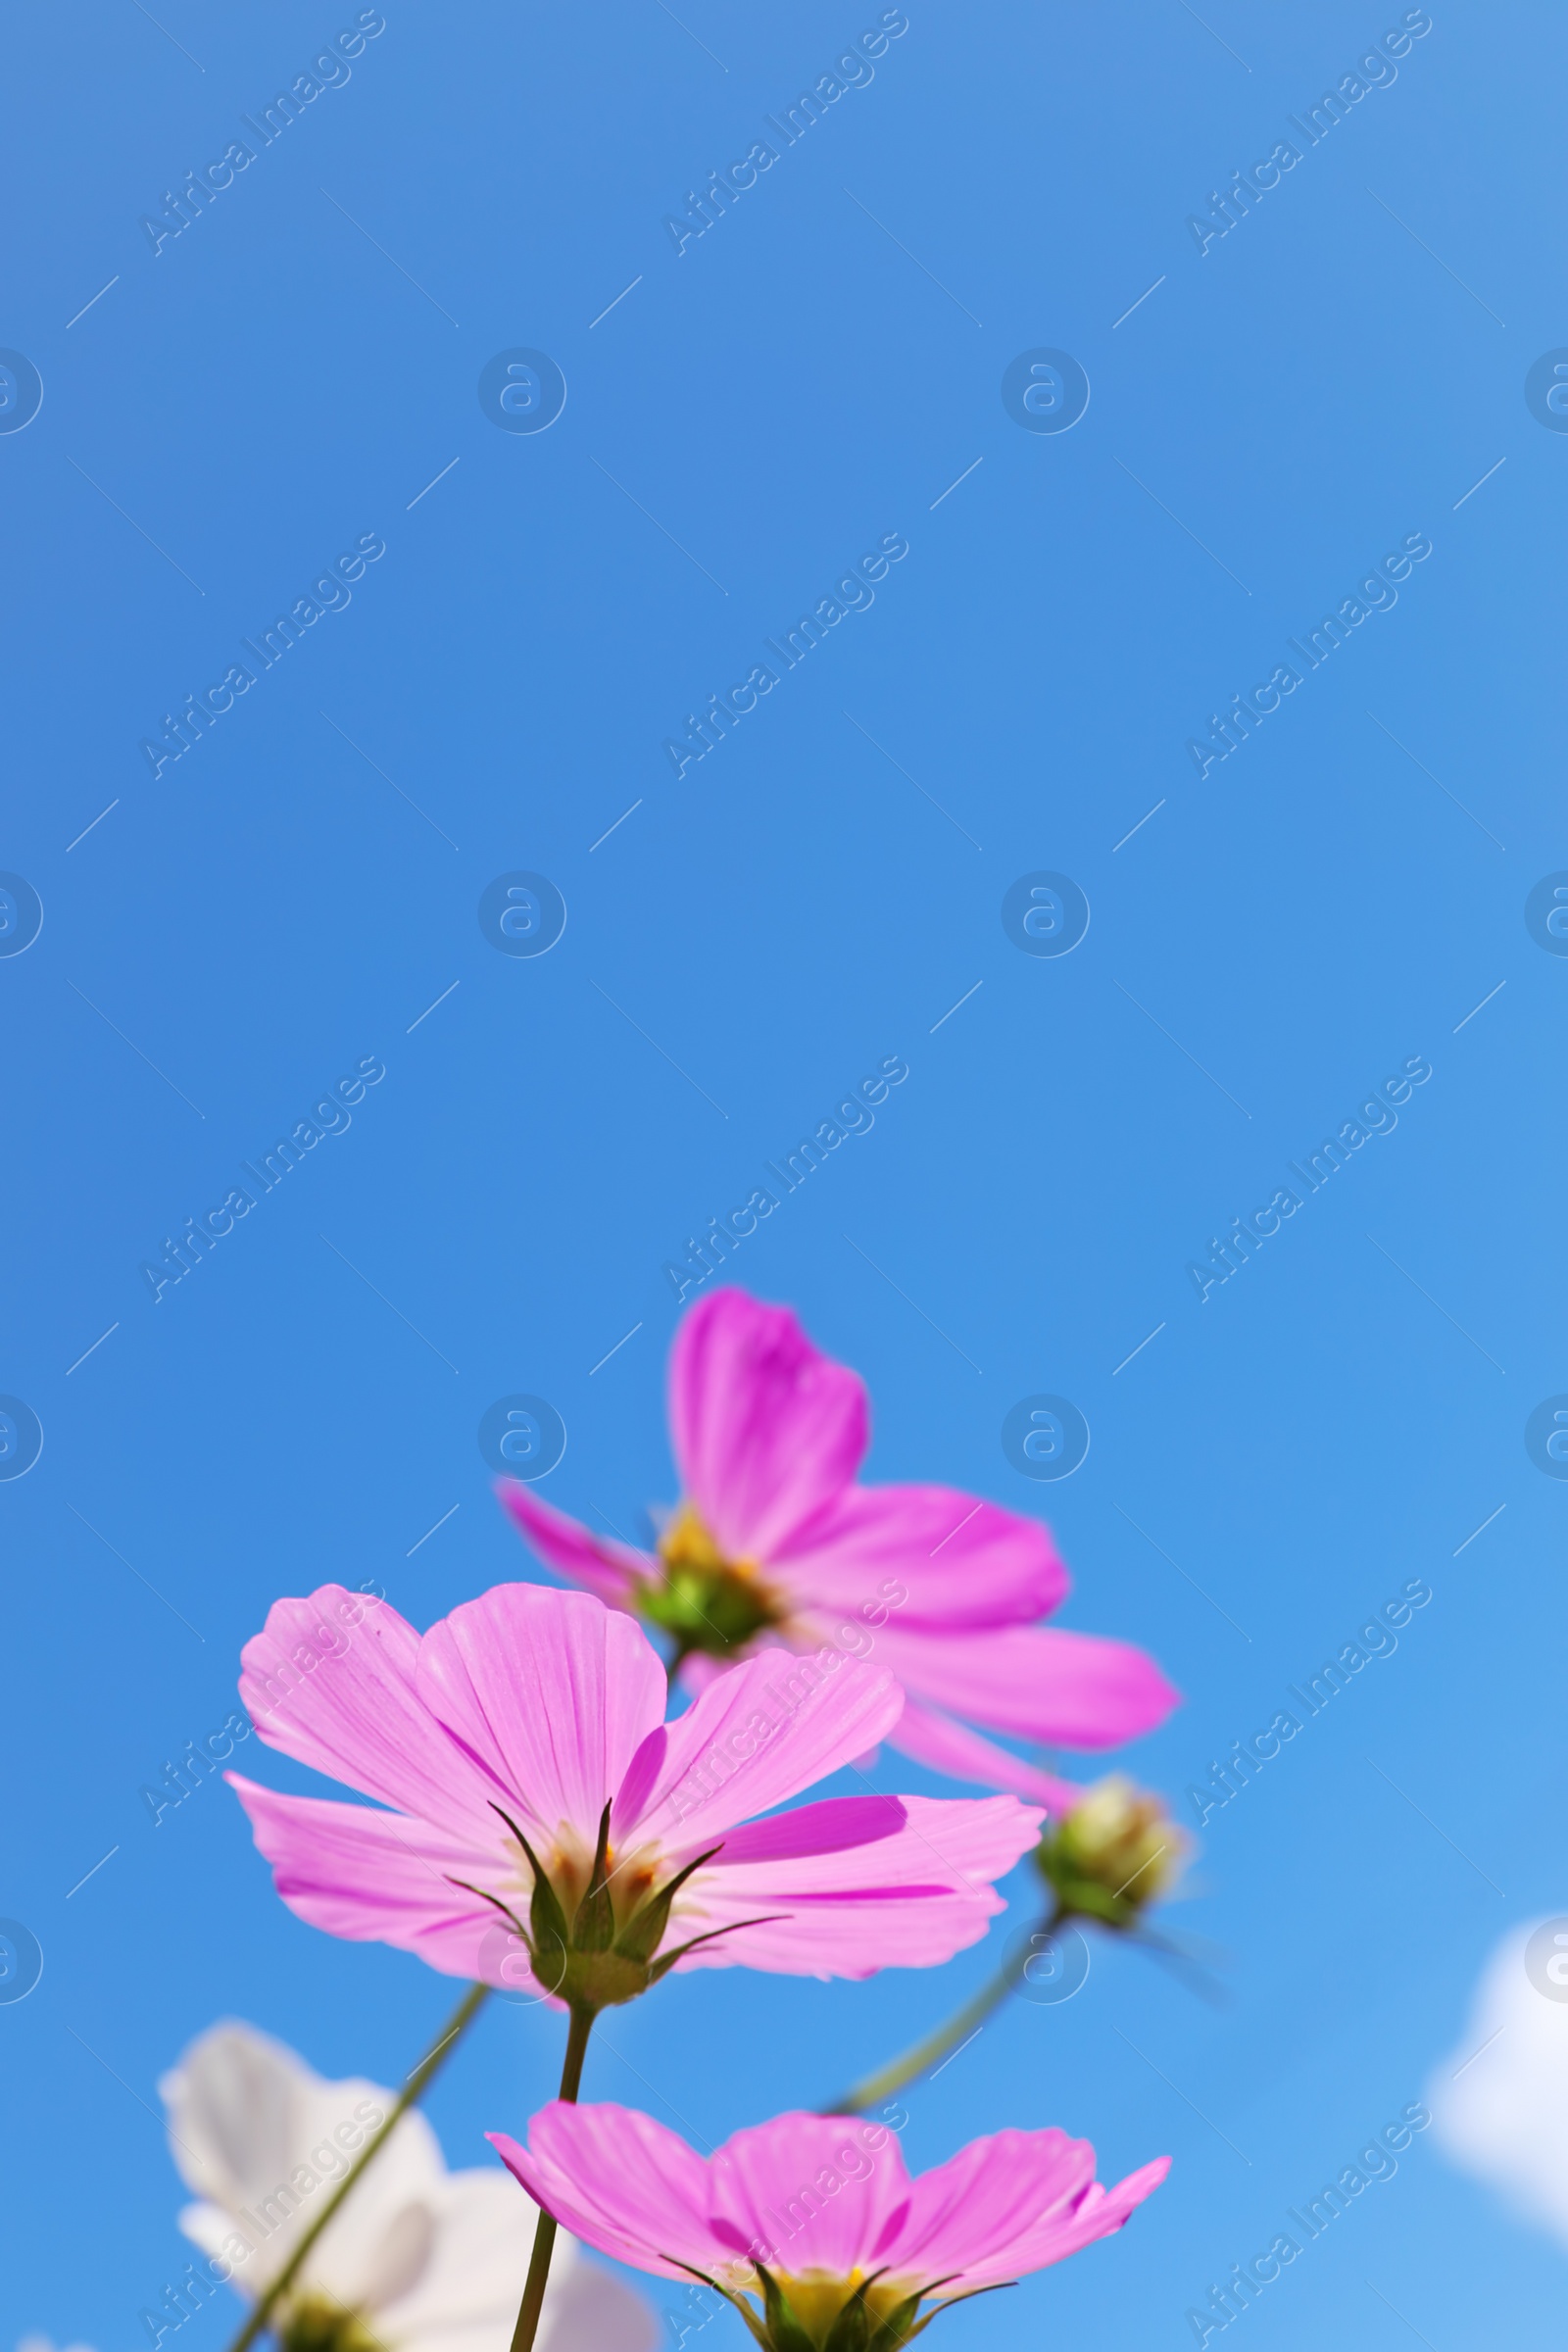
[419, 2258]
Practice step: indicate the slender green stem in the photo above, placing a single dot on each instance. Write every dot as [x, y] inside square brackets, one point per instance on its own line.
[429, 2066]
[544, 2236]
[924, 2054]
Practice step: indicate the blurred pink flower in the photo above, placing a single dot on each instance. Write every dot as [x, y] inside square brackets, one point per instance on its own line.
[809, 2212]
[775, 1544]
[530, 1723]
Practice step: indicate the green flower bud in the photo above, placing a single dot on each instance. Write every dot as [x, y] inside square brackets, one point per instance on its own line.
[1113, 1853]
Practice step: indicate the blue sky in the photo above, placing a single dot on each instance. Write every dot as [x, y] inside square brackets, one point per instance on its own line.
[1273, 412]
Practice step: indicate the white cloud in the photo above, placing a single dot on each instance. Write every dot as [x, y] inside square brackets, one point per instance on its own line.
[1499, 2101]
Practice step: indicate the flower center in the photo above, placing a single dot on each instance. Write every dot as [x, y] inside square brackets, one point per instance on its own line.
[568, 1865]
[708, 1602]
[317, 2325]
[828, 2313]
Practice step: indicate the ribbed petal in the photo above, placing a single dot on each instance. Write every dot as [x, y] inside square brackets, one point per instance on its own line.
[330, 1681]
[962, 1563]
[376, 1878]
[551, 1691]
[806, 2190]
[1038, 1682]
[594, 1561]
[932, 1738]
[245, 2113]
[1101, 2212]
[829, 2194]
[907, 1900]
[766, 1430]
[971, 2213]
[760, 1734]
[620, 2182]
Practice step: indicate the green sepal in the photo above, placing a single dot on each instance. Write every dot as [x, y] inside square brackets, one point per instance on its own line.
[548, 1932]
[594, 1928]
[662, 1968]
[896, 2329]
[994, 2290]
[642, 1936]
[784, 2330]
[735, 2302]
[853, 2330]
[494, 1900]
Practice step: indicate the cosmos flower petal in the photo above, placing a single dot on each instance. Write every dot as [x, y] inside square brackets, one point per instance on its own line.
[958, 1842]
[551, 1693]
[1012, 2203]
[465, 2298]
[757, 1735]
[599, 1564]
[768, 2191]
[915, 1895]
[969, 2213]
[585, 2309]
[961, 1562]
[1038, 1682]
[428, 2261]
[946, 1745]
[374, 1877]
[629, 2186]
[245, 2113]
[826, 2196]
[838, 1825]
[542, 1707]
[1102, 2212]
[848, 1936]
[766, 1430]
[330, 1681]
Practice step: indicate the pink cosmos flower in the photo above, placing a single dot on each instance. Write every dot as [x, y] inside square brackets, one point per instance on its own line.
[525, 1774]
[776, 1543]
[812, 2213]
